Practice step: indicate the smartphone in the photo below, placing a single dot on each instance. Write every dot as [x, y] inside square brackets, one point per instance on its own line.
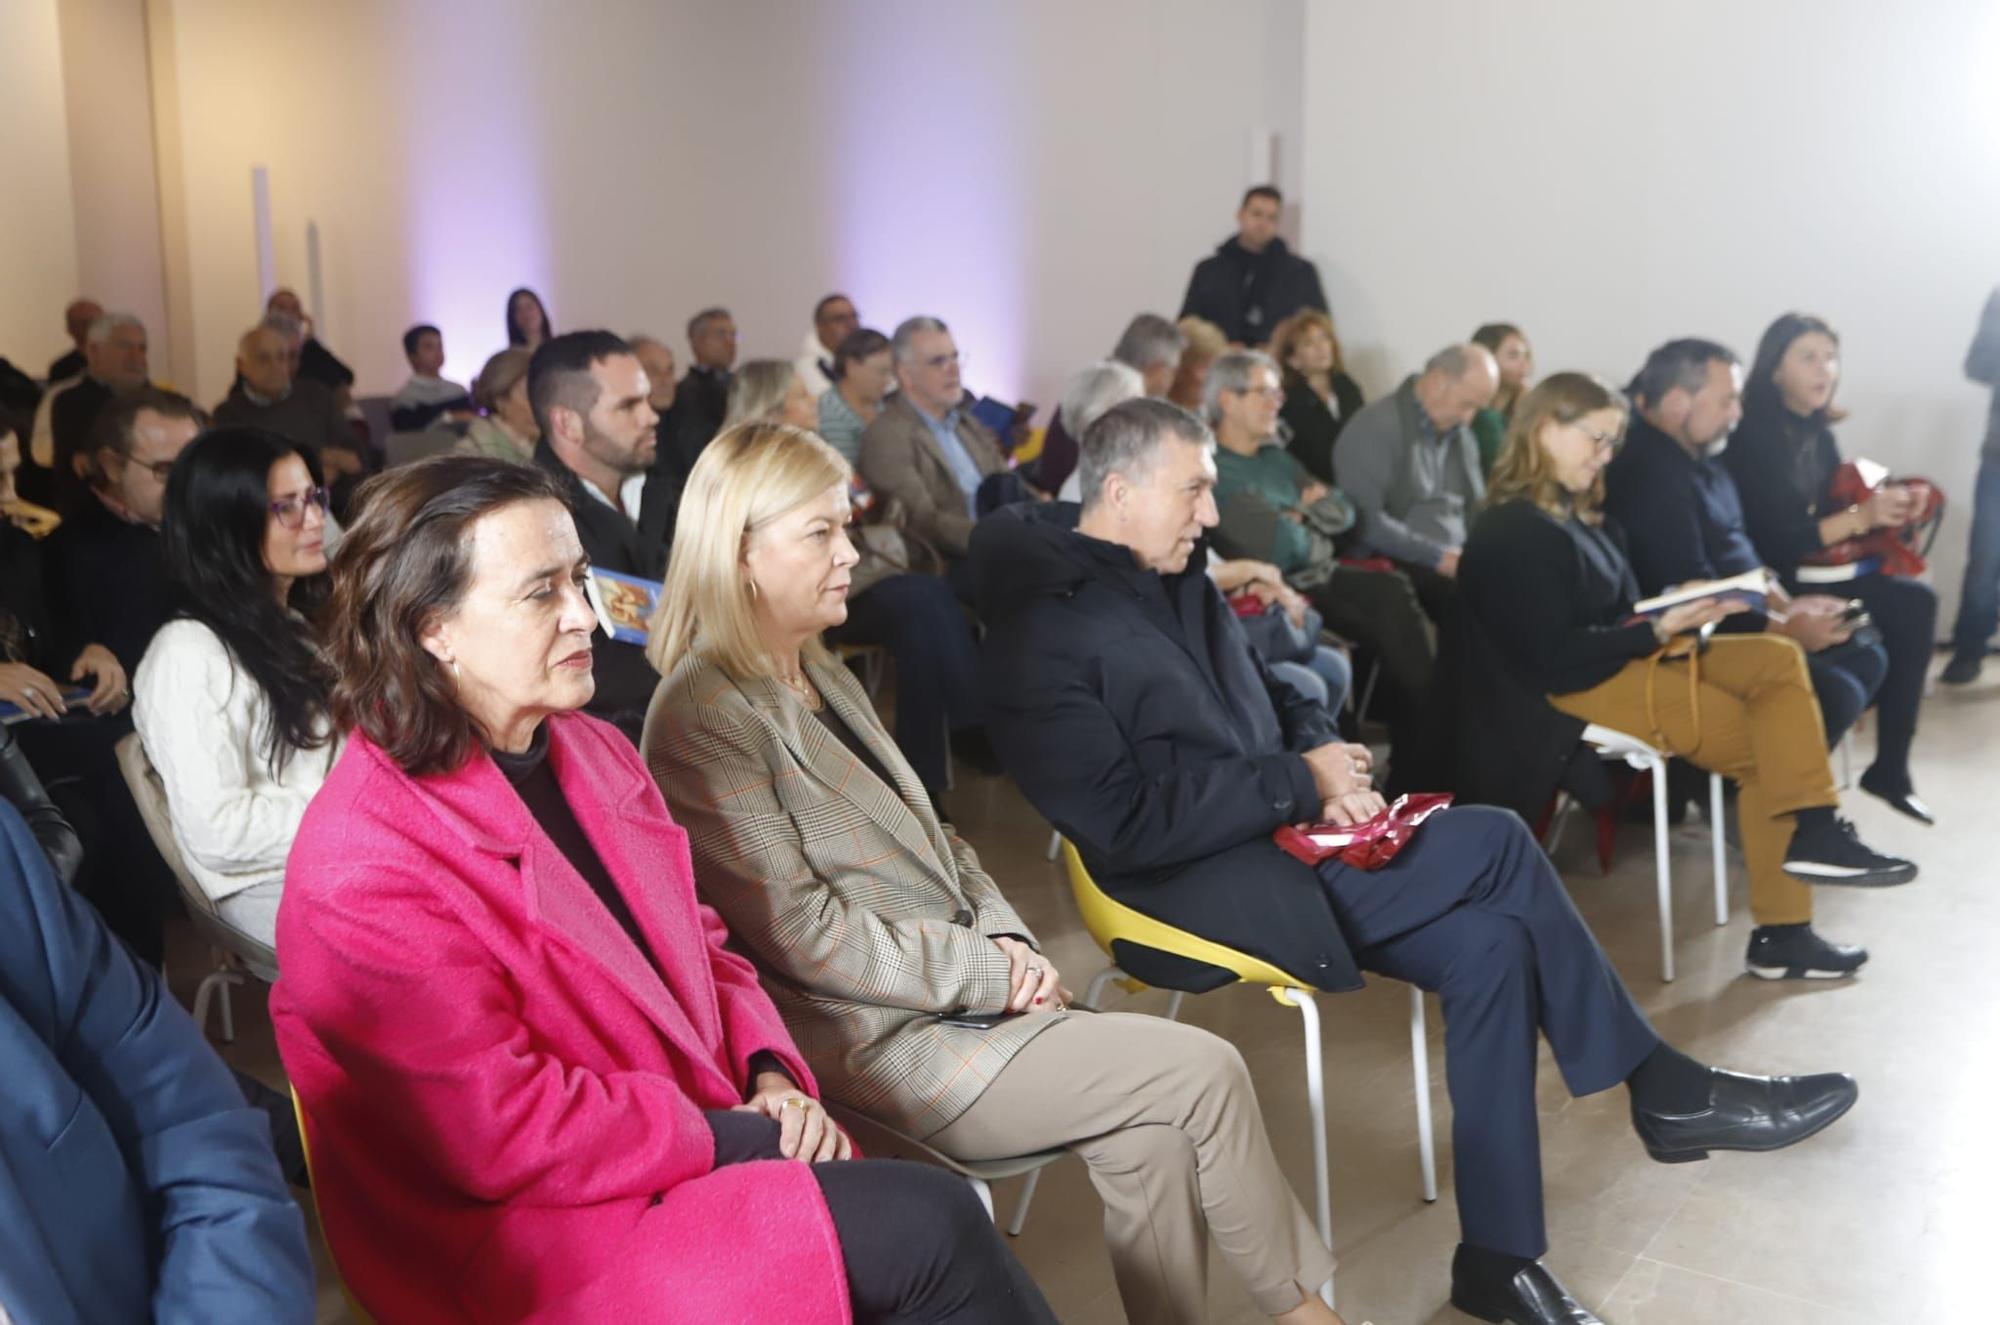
[974, 1021]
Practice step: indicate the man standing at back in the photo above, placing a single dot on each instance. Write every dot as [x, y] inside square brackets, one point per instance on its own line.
[1253, 281]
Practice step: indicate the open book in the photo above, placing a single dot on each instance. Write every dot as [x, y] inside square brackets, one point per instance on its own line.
[624, 603]
[1751, 588]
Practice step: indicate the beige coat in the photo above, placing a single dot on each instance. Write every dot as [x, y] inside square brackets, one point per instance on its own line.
[865, 916]
[901, 461]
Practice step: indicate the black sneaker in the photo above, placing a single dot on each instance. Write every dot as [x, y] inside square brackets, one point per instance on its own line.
[1962, 670]
[1829, 852]
[1794, 952]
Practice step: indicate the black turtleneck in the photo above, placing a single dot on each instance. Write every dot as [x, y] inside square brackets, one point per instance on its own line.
[1783, 464]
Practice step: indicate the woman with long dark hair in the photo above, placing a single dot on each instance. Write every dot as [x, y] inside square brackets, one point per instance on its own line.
[231, 700]
[1783, 456]
[527, 319]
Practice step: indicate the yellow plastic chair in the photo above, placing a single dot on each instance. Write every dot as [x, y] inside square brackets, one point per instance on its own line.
[354, 1309]
[1110, 920]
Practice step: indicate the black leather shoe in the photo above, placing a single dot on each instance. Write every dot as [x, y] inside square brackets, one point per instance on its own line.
[1903, 802]
[1531, 1297]
[1747, 1113]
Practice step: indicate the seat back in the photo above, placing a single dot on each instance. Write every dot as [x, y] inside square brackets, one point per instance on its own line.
[150, 795]
[1110, 922]
[354, 1309]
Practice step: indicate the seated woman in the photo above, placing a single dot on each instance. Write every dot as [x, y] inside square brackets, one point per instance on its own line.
[1546, 581]
[1205, 342]
[913, 988]
[1783, 456]
[862, 375]
[553, 1093]
[1516, 358]
[1319, 395]
[506, 427]
[892, 600]
[230, 700]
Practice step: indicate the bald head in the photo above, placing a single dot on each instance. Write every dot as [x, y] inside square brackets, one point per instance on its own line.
[78, 317]
[658, 361]
[264, 358]
[1457, 382]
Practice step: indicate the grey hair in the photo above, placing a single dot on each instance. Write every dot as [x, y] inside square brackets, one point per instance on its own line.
[1096, 389]
[1126, 439]
[1679, 363]
[907, 331]
[1231, 372]
[1453, 361]
[100, 330]
[1149, 340]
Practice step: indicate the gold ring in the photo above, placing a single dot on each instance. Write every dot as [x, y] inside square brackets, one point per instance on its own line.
[797, 1102]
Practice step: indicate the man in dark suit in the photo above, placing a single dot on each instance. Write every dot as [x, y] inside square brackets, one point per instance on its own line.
[1126, 703]
[591, 399]
[135, 1182]
[1252, 281]
[702, 399]
[115, 360]
[76, 320]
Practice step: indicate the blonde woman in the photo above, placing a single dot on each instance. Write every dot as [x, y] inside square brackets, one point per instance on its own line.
[916, 993]
[506, 427]
[770, 390]
[1548, 584]
[1205, 343]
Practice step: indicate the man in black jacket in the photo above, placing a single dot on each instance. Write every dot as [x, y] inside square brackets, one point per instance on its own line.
[1253, 281]
[590, 398]
[702, 399]
[1124, 700]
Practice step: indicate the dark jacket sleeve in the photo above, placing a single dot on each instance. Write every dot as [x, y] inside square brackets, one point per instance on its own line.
[1315, 297]
[1660, 513]
[230, 1242]
[1521, 581]
[1060, 739]
[1305, 721]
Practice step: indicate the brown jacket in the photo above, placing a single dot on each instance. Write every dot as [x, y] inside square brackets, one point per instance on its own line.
[901, 460]
[865, 916]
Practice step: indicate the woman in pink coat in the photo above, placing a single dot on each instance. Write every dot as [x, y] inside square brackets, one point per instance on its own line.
[536, 1085]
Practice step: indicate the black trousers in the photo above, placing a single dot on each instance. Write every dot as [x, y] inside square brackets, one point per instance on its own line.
[1473, 912]
[917, 1244]
[918, 619]
[1905, 611]
[1380, 611]
[1846, 678]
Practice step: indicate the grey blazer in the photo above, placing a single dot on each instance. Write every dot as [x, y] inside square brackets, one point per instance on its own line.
[866, 917]
[1413, 499]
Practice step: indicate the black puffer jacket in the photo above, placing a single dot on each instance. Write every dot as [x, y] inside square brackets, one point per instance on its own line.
[1248, 294]
[1131, 711]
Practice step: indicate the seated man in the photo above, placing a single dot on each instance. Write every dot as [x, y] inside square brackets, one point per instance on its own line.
[315, 360]
[834, 320]
[115, 360]
[135, 1182]
[1272, 510]
[1411, 465]
[427, 396]
[590, 398]
[1123, 699]
[925, 451]
[1151, 346]
[106, 573]
[702, 399]
[300, 410]
[1678, 507]
[76, 321]
[1253, 282]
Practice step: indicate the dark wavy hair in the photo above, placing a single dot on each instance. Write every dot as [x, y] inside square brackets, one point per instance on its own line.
[516, 336]
[404, 561]
[218, 505]
[1762, 401]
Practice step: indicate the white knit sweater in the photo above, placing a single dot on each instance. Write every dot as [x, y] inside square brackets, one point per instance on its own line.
[202, 722]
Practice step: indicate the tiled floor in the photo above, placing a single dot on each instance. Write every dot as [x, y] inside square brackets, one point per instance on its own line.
[1878, 1220]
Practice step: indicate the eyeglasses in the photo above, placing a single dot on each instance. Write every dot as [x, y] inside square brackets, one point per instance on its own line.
[159, 469]
[1607, 442]
[940, 361]
[291, 511]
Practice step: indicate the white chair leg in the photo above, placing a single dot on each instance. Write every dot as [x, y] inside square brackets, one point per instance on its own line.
[1097, 983]
[1558, 821]
[1420, 1066]
[1316, 1103]
[1368, 692]
[1659, 770]
[203, 992]
[984, 1191]
[1716, 841]
[228, 1013]
[1055, 844]
[1020, 1219]
[1174, 1005]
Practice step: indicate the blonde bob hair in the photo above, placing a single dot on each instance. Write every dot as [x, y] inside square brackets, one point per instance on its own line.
[757, 391]
[747, 477]
[1523, 468]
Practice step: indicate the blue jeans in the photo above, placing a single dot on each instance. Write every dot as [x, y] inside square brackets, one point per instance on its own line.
[1979, 600]
[1295, 654]
[1846, 678]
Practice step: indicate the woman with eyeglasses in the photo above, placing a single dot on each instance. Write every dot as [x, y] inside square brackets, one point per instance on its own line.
[1549, 596]
[231, 699]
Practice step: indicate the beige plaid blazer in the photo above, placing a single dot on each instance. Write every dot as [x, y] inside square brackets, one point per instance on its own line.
[865, 916]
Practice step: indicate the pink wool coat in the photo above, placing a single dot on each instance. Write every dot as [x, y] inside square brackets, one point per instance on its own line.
[503, 1097]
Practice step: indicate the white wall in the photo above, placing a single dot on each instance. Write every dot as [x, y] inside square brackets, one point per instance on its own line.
[1612, 175]
[1033, 172]
[37, 223]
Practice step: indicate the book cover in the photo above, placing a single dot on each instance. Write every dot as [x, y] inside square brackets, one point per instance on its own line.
[1751, 588]
[624, 603]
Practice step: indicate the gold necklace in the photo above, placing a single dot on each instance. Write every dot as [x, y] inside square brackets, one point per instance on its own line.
[799, 685]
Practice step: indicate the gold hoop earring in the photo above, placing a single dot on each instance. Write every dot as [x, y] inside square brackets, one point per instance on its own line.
[752, 586]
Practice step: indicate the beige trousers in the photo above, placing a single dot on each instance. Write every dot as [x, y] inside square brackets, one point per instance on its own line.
[1167, 1120]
